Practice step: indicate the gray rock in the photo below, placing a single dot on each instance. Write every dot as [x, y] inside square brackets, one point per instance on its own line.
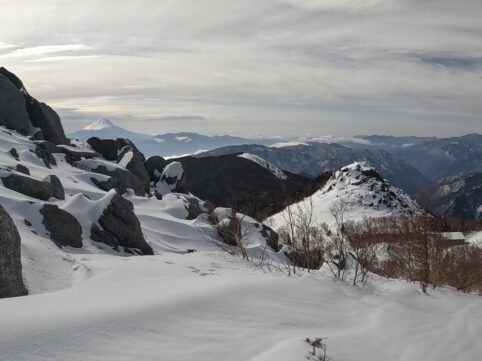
[22, 169]
[59, 192]
[11, 281]
[77, 154]
[13, 111]
[13, 152]
[193, 207]
[123, 179]
[45, 118]
[135, 164]
[29, 186]
[270, 236]
[154, 166]
[109, 148]
[64, 229]
[119, 227]
[43, 151]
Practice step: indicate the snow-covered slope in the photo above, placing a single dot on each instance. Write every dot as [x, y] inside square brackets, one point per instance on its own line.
[46, 267]
[363, 192]
[275, 170]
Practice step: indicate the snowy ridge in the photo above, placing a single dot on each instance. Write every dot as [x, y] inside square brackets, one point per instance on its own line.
[278, 173]
[364, 192]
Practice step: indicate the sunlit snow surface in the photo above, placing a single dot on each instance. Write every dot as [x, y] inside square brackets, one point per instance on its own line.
[97, 304]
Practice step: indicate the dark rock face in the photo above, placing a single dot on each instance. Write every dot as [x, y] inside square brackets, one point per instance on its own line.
[29, 186]
[64, 229]
[76, 155]
[194, 207]
[270, 236]
[134, 163]
[234, 182]
[43, 150]
[109, 148]
[13, 111]
[22, 169]
[121, 180]
[13, 152]
[11, 281]
[120, 227]
[22, 112]
[45, 118]
[59, 192]
[154, 166]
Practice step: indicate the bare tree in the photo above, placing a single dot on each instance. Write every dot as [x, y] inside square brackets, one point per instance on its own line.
[338, 235]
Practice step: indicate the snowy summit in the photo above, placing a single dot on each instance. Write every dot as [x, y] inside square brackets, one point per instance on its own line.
[100, 124]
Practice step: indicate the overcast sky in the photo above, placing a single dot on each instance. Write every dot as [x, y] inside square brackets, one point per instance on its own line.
[253, 67]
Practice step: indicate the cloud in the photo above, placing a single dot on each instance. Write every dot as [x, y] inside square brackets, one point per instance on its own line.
[300, 67]
[62, 58]
[36, 51]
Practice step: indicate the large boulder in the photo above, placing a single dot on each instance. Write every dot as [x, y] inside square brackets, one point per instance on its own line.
[11, 281]
[58, 192]
[29, 186]
[155, 166]
[109, 148]
[64, 229]
[119, 227]
[13, 111]
[45, 118]
[133, 160]
[44, 150]
[122, 179]
[23, 112]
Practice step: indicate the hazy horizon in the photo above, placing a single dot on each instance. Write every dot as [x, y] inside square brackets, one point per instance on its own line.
[277, 68]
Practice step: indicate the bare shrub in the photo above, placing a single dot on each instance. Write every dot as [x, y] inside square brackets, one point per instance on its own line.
[319, 351]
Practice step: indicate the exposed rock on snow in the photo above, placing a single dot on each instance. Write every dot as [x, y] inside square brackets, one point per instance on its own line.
[121, 179]
[64, 229]
[155, 166]
[13, 111]
[119, 226]
[58, 188]
[22, 169]
[11, 282]
[109, 148]
[130, 158]
[29, 186]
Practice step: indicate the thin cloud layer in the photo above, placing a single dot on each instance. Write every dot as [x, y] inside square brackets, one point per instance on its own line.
[294, 67]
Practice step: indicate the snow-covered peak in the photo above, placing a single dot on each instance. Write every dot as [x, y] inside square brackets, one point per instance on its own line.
[100, 124]
[363, 192]
[265, 164]
[360, 186]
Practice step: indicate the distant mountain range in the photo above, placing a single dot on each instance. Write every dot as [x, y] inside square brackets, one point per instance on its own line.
[168, 144]
[458, 196]
[315, 158]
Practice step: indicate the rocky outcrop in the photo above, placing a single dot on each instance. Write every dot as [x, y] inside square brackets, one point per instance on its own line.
[44, 117]
[269, 235]
[133, 160]
[22, 169]
[58, 192]
[64, 229]
[121, 180]
[13, 110]
[119, 227]
[109, 148]
[29, 186]
[44, 150]
[23, 113]
[11, 281]
[155, 166]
